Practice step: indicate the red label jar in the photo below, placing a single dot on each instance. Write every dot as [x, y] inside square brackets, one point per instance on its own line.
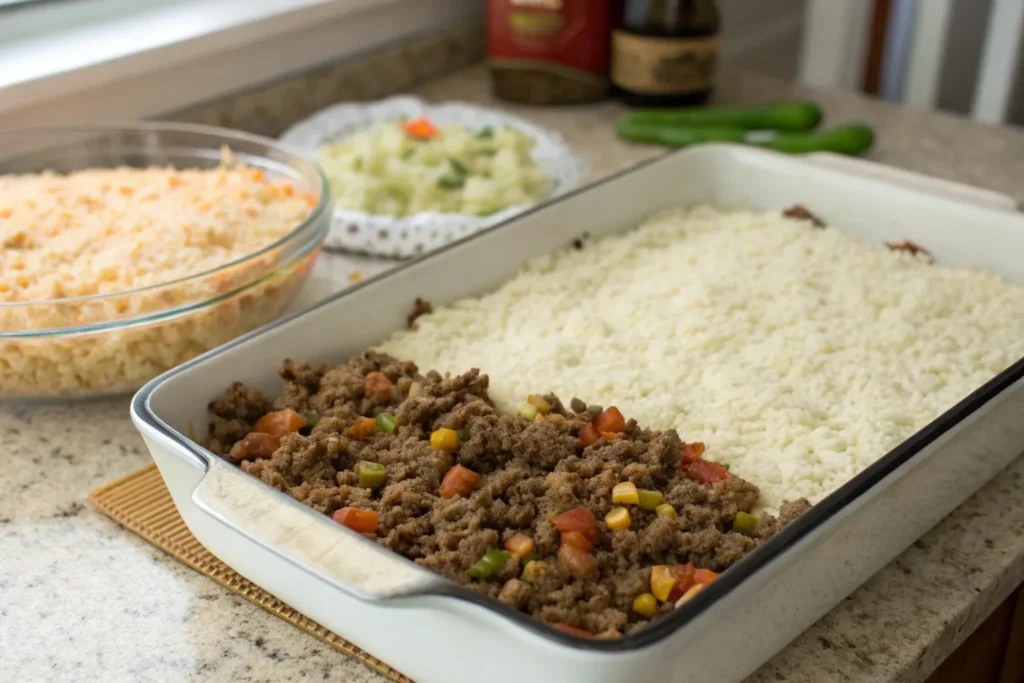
[549, 51]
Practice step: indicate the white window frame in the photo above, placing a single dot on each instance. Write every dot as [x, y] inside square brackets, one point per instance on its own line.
[835, 41]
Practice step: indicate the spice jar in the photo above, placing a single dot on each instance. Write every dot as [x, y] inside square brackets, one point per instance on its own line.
[549, 51]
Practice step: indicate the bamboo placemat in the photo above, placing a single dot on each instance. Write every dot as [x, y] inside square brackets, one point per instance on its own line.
[141, 503]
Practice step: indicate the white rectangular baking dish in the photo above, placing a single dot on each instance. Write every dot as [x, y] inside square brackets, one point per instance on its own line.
[436, 632]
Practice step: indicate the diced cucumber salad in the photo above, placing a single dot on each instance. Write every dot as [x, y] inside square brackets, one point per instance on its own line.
[400, 168]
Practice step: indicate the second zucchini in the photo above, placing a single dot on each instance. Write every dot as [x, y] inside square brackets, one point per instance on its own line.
[782, 116]
[849, 139]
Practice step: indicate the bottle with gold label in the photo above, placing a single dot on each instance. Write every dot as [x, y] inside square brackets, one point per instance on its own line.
[665, 52]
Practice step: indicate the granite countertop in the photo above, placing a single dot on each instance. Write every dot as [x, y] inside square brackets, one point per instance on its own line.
[81, 599]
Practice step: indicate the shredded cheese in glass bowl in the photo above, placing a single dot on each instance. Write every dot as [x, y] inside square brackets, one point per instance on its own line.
[127, 250]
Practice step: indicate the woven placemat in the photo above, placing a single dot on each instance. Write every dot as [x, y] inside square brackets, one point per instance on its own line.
[141, 503]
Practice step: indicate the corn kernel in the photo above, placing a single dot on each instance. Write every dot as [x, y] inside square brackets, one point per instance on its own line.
[625, 493]
[646, 605]
[662, 581]
[444, 439]
[665, 510]
[689, 594]
[529, 572]
[617, 519]
[744, 522]
[649, 500]
[529, 411]
[543, 407]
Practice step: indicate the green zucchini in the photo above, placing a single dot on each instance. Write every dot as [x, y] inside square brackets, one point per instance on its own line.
[672, 136]
[852, 139]
[782, 116]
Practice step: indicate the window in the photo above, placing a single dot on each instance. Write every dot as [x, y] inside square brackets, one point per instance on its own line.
[138, 58]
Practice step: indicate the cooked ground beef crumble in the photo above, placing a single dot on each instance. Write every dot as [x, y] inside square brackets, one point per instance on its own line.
[530, 471]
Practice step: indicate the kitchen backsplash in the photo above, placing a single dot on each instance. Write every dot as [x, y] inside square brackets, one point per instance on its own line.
[270, 109]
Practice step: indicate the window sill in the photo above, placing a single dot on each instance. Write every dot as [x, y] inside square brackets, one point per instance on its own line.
[119, 63]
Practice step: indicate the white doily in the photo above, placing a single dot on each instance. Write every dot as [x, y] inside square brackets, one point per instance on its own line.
[416, 234]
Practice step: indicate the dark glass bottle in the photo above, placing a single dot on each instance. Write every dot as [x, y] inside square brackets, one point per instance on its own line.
[665, 52]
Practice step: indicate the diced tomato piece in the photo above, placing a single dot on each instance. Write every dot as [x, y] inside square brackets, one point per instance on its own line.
[707, 472]
[610, 420]
[704, 576]
[420, 128]
[588, 435]
[363, 428]
[519, 545]
[576, 539]
[684, 574]
[363, 521]
[691, 452]
[566, 628]
[690, 594]
[378, 386]
[610, 436]
[459, 480]
[577, 519]
[280, 422]
[580, 564]
[254, 445]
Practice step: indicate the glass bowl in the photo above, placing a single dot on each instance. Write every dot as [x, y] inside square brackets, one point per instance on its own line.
[106, 344]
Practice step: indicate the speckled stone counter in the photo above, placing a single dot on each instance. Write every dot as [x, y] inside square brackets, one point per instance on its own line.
[83, 600]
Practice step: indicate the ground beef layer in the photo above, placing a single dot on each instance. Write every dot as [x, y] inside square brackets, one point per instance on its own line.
[530, 472]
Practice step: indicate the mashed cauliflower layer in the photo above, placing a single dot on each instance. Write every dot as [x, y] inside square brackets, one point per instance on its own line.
[382, 170]
[800, 356]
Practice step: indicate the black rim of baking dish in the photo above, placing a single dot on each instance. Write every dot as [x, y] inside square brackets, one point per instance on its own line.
[732, 577]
